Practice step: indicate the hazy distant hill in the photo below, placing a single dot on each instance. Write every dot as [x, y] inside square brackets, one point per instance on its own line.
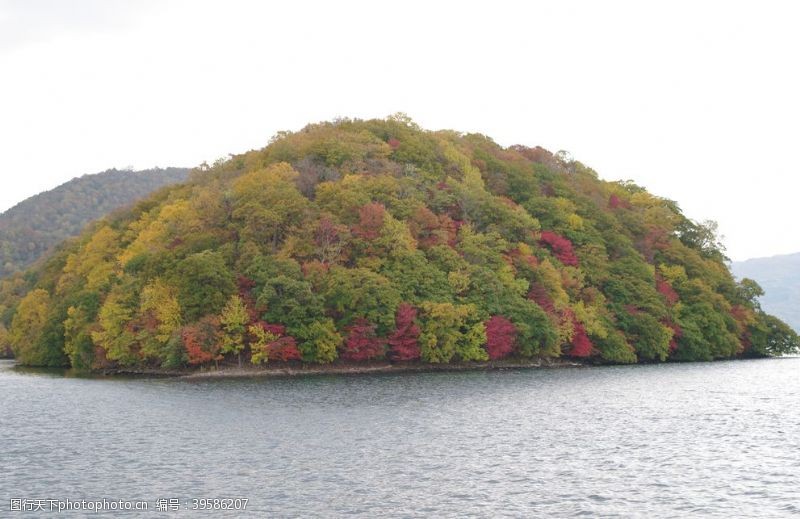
[33, 226]
[779, 276]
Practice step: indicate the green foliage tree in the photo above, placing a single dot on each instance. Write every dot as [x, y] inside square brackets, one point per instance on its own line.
[204, 282]
[359, 292]
[78, 344]
[319, 341]
[772, 337]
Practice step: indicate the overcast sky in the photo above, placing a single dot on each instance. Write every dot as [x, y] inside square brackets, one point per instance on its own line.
[697, 101]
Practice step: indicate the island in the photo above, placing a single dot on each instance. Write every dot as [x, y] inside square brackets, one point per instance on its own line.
[378, 243]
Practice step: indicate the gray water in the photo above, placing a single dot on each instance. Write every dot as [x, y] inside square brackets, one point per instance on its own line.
[710, 439]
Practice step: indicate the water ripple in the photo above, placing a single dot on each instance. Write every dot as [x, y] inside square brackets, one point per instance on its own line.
[711, 440]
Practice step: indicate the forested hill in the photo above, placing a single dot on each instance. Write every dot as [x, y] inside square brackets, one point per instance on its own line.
[358, 241]
[33, 226]
[779, 276]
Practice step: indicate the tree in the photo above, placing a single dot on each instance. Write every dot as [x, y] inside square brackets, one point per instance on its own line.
[114, 333]
[361, 293]
[329, 239]
[233, 321]
[614, 348]
[284, 349]
[319, 341]
[370, 221]
[748, 292]
[650, 338]
[28, 328]
[78, 343]
[311, 173]
[772, 337]
[5, 343]
[501, 336]
[404, 342]
[268, 203]
[260, 342]
[281, 348]
[362, 343]
[202, 340]
[561, 247]
[94, 264]
[664, 288]
[581, 344]
[703, 237]
[204, 284]
[161, 312]
[451, 331]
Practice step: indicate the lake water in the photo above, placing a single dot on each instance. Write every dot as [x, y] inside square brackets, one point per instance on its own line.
[712, 440]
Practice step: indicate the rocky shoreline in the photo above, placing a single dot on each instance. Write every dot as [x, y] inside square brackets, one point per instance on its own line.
[383, 367]
[249, 371]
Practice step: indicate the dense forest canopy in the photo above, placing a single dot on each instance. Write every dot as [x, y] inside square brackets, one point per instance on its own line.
[31, 228]
[363, 240]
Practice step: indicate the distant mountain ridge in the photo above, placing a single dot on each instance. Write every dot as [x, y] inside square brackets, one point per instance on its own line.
[35, 225]
[779, 276]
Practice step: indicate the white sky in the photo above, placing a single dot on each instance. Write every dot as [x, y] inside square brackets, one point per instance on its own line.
[697, 101]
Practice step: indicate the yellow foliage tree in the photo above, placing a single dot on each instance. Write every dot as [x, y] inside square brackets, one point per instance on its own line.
[234, 326]
[268, 203]
[161, 311]
[94, 263]
[259, 346]
[28, 325]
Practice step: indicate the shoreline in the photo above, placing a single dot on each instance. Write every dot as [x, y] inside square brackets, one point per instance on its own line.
[284, 371]
[376, 368]
[339, 369]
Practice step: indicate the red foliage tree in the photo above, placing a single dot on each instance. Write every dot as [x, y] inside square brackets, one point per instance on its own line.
[430, 229]
[202, 340]
[561, 248]
[274, 329]
[665, 289]
[404, 342]
[423, 225]
[370, 221]
[677, 332]
[539, 295]
[614, 202]
[581, 344]
[362, 343]
[501, 335]
[655, 239]
[245, 286]
[393, 143]
[284, 349]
